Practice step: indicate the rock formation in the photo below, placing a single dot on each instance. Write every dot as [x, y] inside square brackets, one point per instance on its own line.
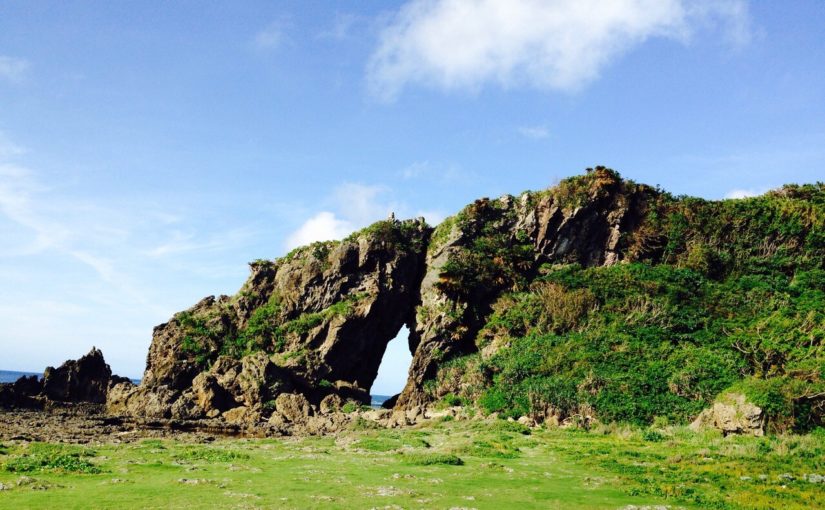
[732, 414]
[86, 380]
[305, 335]
[314, 323]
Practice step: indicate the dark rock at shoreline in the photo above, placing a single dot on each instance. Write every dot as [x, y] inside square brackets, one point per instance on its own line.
[85, 380]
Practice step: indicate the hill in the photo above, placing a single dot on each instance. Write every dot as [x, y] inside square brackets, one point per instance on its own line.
[598, 298]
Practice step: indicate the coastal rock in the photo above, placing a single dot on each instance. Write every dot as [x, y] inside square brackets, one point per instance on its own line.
[210, 396]
[331, 403]
[293, 407]
[517, 236]
[242, 415]
[314, 322]
[732, 413]
[84, 380]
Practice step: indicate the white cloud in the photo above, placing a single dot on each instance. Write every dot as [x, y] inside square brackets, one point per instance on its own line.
[354, 206]
[360, 204]
[744, 193]
[269, 38]
[13, 69]
[534, 132]
[324, 226]
[546, 44]
[341, 28]
[9, 149]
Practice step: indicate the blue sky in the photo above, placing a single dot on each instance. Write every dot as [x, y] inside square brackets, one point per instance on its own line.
[149, 150]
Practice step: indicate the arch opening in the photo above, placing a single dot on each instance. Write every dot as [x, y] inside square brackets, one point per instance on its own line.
[393, 370]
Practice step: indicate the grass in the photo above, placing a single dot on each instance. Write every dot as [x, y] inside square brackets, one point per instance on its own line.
[441, 465]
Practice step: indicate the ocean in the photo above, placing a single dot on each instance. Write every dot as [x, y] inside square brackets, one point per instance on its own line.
[7, 376]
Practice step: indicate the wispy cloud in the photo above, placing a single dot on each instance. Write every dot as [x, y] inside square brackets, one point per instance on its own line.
[744, 193]
[435, 171]
[179, 242]
[12, 69]
[270, 38]
[550, 44]
[534, 132]
[341, 28]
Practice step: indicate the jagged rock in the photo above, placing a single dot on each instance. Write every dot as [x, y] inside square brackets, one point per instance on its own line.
[378, 415]
[186, 408]
[28, 385]
[732, 414]
[293, 407]
[140, 401]
[452, 311]
[331, 403]
[327, 424]
[390, 402]
[252, 380]
[211, 396]
[242, 416]
[324, 313]
[398, 419]
[84, 380]
[278, 421]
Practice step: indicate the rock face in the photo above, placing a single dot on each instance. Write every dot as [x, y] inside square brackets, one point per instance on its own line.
[498, 245]
[314, 323]
[84, 380]
[732, 414]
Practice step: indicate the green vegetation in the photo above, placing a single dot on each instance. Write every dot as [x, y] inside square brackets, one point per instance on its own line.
[714, 297]
[41, 457]
[208, 336]
[483, 465]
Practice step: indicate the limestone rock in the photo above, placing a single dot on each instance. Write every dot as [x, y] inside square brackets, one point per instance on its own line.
[186, 408]
[331, 403]
[324, 313]
[83, 380]
[242, 415]
[732, 414]
[141, 402]
[211, 396]
[293, 407]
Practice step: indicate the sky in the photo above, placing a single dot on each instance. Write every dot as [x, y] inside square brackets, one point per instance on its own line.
[149, 150]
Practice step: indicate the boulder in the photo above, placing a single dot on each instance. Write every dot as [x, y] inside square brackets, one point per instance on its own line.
[293, 407]
[242, 415]
[84, 380]
[330, 404]
[252, 380]
[732, 414]
[126, 399]
[211, 396]
[186, 408]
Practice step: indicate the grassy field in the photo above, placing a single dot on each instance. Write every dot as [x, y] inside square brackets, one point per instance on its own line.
[446, 465]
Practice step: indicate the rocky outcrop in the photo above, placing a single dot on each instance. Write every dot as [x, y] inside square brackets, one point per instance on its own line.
[314, 323]
[732, 413]
[494, 246]
[85, 380]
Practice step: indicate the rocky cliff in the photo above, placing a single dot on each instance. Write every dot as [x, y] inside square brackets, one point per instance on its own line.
[306, 333]
[314, 323]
